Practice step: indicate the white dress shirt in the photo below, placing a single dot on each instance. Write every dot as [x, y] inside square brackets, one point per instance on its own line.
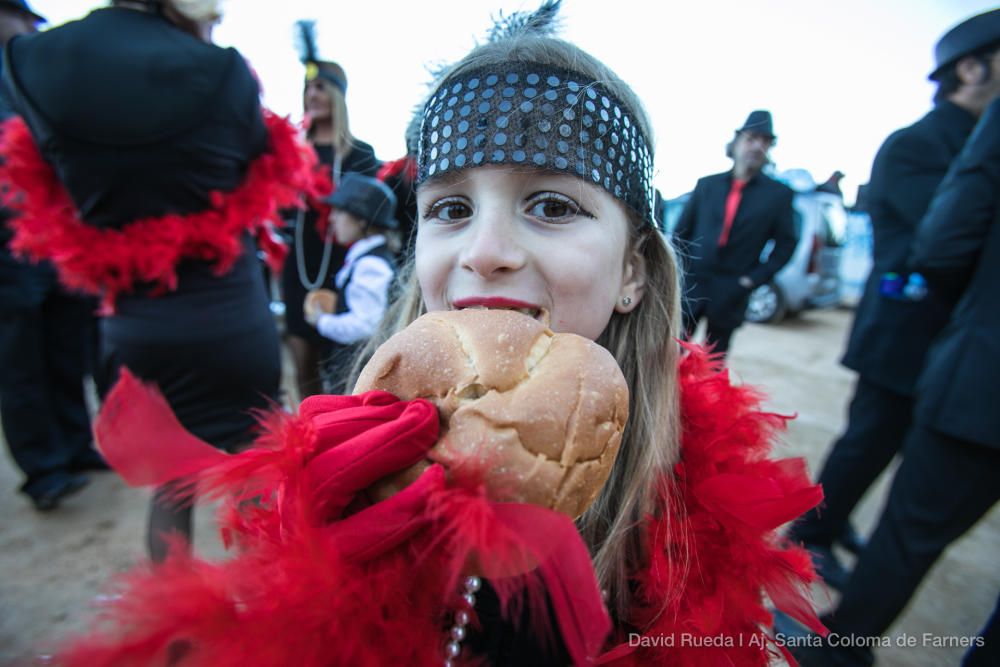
[366, 296]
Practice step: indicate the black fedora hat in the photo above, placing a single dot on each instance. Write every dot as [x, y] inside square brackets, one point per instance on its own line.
[967, 37]
[367, 198]
[759, 121]
[23, 6]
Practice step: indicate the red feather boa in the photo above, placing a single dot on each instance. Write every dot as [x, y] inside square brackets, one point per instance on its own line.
[110, 262]
[405, 167]
[714, 559]
[290, 598]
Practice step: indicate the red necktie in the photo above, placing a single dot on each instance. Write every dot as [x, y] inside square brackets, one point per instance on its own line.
[732, 204]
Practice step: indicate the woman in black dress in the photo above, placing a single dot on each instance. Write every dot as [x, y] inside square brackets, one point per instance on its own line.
[155, 176]
[315, 255]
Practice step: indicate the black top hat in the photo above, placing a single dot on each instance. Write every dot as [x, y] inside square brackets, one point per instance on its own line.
[23, 6]
[967, 37]
[759, 121]
[367, 198]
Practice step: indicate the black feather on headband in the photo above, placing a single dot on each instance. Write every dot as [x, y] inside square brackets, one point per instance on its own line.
[305, 41]
[543, 22]
[305, 44]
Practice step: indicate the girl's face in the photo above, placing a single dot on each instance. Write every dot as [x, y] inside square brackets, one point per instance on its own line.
[548, 244]
[316, 100]
[347, 228]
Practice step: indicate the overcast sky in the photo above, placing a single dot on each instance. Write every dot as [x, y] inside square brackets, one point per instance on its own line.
[838, 76]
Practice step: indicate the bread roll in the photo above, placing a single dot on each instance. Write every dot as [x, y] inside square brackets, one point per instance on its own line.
[537, 416]
[324, 300]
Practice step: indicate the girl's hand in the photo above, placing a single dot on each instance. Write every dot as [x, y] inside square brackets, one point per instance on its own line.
[360, 440]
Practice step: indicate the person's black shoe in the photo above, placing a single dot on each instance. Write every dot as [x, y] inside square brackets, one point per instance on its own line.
[89, 460]
[828, 566]
[851, 540]
[48, 498]
[807, 647]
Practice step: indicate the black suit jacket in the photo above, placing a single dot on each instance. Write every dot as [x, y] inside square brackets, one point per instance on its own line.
[890, 338]
[712, 272]
[958, 249]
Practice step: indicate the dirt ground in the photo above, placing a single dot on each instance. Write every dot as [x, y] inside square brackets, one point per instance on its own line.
[52, 566]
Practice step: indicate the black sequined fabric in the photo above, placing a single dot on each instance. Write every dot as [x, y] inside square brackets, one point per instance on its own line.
[537, 116]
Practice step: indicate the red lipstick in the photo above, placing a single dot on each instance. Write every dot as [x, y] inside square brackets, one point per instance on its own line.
[492, 302]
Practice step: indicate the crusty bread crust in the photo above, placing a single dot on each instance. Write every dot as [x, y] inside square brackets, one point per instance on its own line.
[537, 416]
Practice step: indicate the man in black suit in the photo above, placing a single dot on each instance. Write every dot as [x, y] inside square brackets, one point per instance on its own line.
[948, 478]
[44, 332]
[890, 338]
[951, 475]
[723, 229]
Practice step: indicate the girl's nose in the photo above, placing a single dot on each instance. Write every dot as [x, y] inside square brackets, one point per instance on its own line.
[494, 246]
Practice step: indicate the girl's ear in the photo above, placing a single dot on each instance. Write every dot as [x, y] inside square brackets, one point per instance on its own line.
[633, 282]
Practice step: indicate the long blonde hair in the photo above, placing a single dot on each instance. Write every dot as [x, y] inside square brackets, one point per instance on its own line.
[340, 121]
[642, 341]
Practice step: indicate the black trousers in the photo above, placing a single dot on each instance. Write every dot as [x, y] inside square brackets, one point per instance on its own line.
[213, 385]
[718, 337]
[943, 487]
[986, 653]
[43, 360]
[878, 422]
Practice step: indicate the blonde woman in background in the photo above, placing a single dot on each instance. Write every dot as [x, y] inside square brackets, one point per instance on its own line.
[315, 254]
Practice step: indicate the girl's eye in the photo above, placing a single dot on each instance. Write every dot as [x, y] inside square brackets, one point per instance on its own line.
[448, 210]
[554, 207]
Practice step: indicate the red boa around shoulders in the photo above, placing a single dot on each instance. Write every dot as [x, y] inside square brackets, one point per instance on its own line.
[701, 600]
[295, 595]
[110, 262]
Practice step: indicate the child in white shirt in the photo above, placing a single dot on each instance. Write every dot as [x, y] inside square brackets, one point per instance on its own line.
[362, 217]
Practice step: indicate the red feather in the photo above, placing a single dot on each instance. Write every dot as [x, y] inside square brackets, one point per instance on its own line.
[112, 261]
[133, 412]
[405, 165]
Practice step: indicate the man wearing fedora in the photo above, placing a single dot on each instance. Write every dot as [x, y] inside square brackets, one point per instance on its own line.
[891, 336]
[723, 229]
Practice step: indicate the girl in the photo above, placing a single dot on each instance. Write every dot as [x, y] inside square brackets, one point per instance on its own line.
[362, 219]
[534, 193]
[534, 186]
[315, 252]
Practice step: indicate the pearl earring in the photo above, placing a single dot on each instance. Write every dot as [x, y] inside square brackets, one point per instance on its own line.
[626, 300]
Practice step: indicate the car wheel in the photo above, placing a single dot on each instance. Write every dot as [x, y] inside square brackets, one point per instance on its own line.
[766, 305]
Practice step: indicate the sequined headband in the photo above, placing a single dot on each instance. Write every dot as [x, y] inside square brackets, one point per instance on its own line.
[540, 116]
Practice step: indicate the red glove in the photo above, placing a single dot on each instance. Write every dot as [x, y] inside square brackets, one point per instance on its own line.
[363, 439]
